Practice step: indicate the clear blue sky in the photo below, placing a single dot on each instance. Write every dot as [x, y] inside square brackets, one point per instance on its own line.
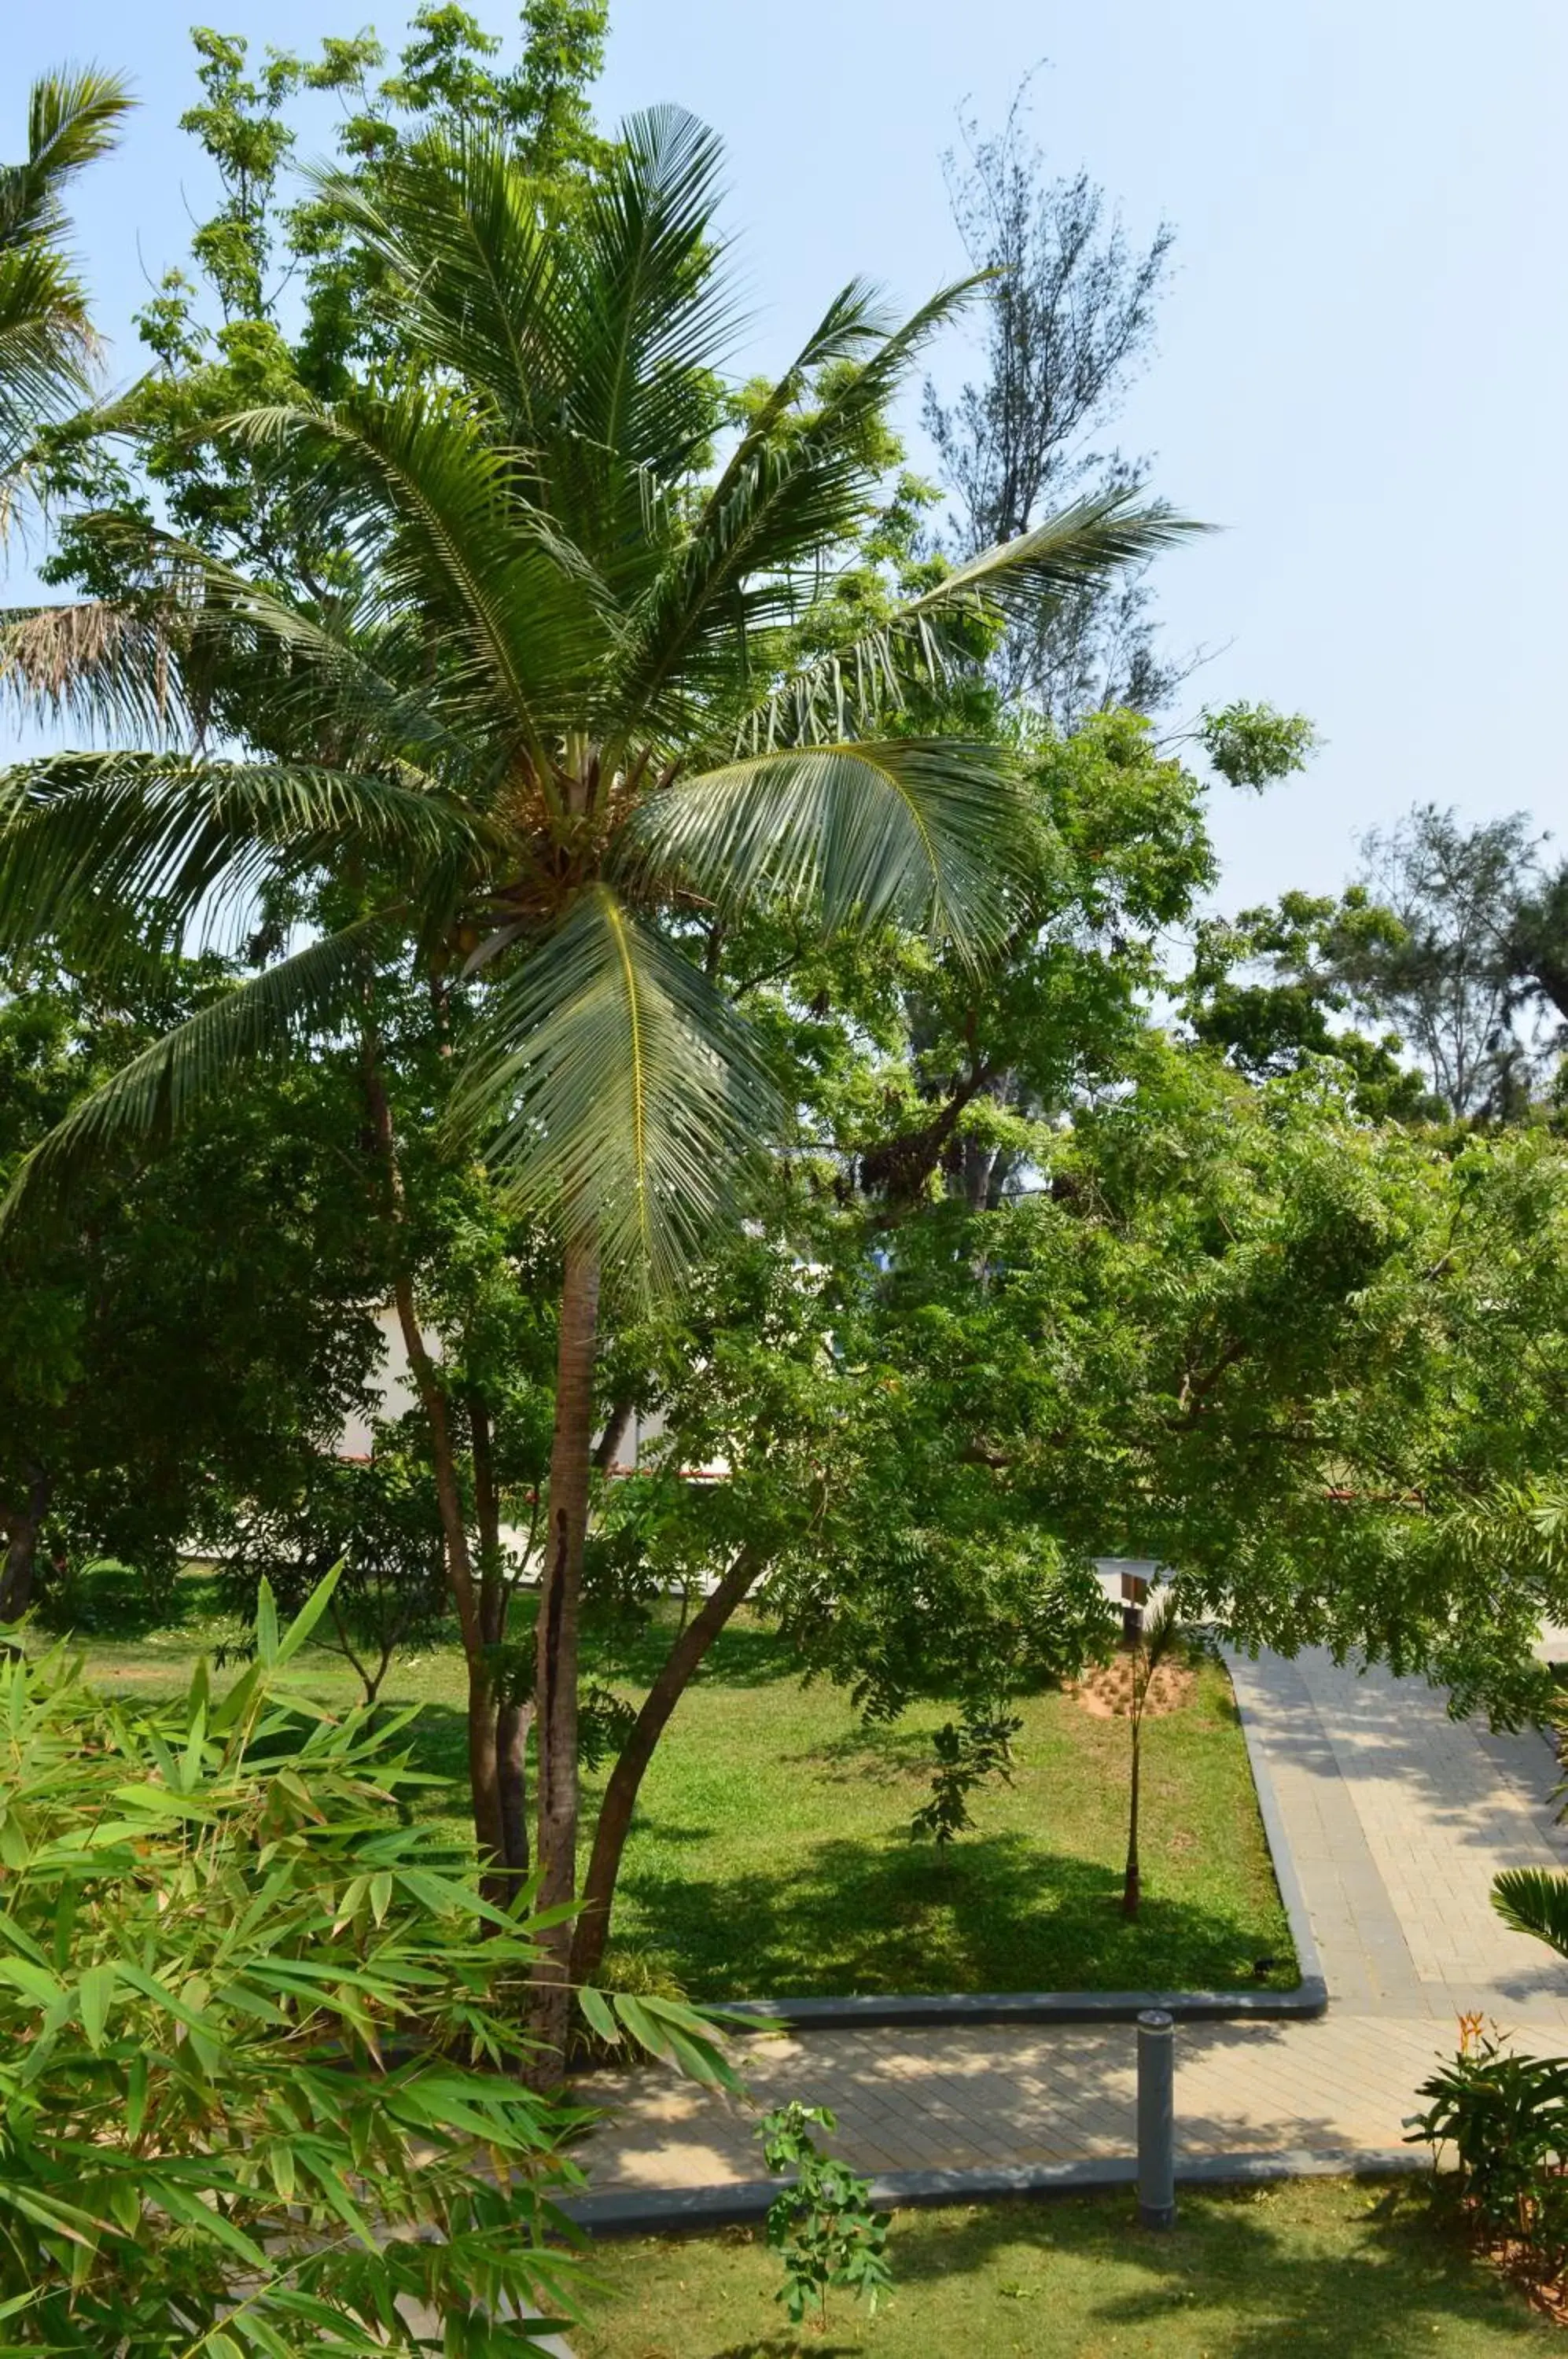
[1361, 363]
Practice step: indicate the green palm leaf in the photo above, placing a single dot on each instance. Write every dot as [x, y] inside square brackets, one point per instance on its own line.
[859, 683]
[449, 523]
[315, 991]
[593, 334]
[617, 1087]
[1534, 1900]
[86, 831]
[46, 339]
[925, 831]
[783, 502]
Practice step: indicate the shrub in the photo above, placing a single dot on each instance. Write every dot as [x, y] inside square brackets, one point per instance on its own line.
[257, 2062]
[1506, 2118]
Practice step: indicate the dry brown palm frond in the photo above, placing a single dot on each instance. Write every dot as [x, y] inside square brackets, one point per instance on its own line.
[111, 669]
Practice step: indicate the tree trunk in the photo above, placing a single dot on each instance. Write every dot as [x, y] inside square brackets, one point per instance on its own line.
[1132, 1887]
[561, 1592]
[485, 1788]
[615, 1810]
[609, 1444]
[21, 1559]
[513, 1722]
[513, 1718]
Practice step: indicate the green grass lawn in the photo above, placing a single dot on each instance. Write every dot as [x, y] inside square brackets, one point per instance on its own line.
[772, 1854]
[1310, 2269]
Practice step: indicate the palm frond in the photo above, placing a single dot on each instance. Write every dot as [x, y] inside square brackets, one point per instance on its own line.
[1161, 1633]
[74, 118]
[616, 1088]
[1534, 1900]
[361, 673]
[470, 253]
[1077, 548]
[172, 832]
[448, 526]
[651, 313]
[46, 339]
[788, 499]
[99, 666]
[863, 681]
[149, 1099]
[591, 342]
[924, 830]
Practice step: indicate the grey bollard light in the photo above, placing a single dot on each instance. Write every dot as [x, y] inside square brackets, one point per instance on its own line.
[1156, 2119]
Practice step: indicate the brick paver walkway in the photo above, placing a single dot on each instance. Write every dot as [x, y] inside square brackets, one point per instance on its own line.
[1398, 1819]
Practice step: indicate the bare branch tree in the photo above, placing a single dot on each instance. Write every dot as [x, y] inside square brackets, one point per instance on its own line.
[1070, 322]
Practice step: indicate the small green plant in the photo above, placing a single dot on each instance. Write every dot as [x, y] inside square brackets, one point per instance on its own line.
[969, 1752]
[822, 2225]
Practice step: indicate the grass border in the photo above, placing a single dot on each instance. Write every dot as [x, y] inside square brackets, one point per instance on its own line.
[657, 2211]
[890, 2011]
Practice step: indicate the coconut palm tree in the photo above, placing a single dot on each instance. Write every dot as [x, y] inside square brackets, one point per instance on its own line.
[86, 654]
[591, 697]
[47, 344]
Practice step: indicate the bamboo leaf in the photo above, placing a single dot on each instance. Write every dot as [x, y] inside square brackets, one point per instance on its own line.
[309, 1613]
[97, 1995]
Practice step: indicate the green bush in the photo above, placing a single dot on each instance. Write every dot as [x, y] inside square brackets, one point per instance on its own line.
[1506, 2118]
[257, 2056]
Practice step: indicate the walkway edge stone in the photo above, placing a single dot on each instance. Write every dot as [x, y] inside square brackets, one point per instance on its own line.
[665, 2211]
[890, 2011]
[904, 2011]
[1293, 1898]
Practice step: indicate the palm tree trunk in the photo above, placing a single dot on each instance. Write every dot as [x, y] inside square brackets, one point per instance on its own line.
[560, 1597]
[615, 1810]
[1132, 1885]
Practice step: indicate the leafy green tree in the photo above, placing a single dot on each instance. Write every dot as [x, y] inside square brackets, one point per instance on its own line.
[1448, 979]
[572, 707]
[1270, 990]
[853, 1510]
[1313, 1363]
[195, 1336]
[1537, 945]
[375, 1522]
[1115, 854]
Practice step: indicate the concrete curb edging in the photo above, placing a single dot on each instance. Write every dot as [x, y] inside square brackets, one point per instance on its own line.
[891, 2012]
[649, 2212]
[1286, 1877]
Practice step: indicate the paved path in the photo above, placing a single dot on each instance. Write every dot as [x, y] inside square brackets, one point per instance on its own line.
[1398, 1819]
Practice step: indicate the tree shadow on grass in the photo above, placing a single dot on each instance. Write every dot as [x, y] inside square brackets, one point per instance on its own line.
[744, 1655]
[995, 1912]
[1361, 2271]
[1380, 2274]
[874, 1753]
